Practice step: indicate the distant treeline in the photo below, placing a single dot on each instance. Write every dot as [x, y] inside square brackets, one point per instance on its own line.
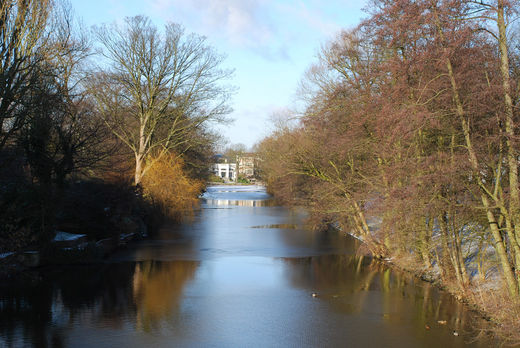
[410, 141]
[125, 107]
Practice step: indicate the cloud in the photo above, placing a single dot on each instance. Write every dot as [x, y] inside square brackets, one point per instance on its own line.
[244, 23]
[309, 15]
[266, 27]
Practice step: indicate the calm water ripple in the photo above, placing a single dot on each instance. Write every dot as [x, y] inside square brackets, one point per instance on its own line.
[248, 275]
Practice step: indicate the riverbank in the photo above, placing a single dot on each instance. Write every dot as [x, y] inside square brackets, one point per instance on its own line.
[489, 299]
[89, 221]
[456, 256]
[127, 215]
[68, 249]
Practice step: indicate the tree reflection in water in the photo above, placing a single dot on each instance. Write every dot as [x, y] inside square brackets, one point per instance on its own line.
[350, 283]
[158, 288]
[240, 203]
[38, 310]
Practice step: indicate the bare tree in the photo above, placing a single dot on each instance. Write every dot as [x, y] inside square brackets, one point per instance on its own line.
[22, 34]
[60, 133]
[159, 88]
[59, 111]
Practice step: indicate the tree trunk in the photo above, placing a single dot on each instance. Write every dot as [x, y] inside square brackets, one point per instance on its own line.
[514, 201]
[139, 166]
[514, 204]
[424, 242]
[495, 232]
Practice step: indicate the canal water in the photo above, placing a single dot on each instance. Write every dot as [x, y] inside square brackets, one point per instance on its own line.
[243, 273]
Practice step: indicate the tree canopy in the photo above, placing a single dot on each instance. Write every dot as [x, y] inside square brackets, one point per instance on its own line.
[160, 87]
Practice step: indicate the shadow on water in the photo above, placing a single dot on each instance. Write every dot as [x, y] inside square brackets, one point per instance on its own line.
[41, 311]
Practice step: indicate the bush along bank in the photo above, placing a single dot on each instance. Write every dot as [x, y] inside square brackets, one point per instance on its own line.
[89, 220]
[83, 221]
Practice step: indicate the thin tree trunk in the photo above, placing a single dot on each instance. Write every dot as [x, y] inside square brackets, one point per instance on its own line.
[495, 232]
[424, 242]
[514, 200]
[449, 249]
[459, 258]
[514, 204]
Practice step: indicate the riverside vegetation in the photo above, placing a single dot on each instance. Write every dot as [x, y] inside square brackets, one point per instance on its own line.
[409, 138]
[409, 141]
[103, 131]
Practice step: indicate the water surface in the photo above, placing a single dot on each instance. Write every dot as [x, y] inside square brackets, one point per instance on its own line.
[243, 273]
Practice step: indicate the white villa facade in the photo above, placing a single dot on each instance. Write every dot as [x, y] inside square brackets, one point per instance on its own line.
[227, 171]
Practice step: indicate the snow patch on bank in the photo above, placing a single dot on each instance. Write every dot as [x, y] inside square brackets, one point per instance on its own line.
[67, 237]
[4, 255]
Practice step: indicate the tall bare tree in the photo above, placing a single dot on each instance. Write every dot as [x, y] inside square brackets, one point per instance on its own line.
[160, 87]
[23, 26]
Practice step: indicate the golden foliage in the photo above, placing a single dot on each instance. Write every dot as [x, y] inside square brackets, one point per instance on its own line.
[170, 188]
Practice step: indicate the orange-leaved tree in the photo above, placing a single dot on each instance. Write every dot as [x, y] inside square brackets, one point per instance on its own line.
[170, 188]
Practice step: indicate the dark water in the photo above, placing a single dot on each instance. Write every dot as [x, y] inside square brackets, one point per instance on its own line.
[242, 274]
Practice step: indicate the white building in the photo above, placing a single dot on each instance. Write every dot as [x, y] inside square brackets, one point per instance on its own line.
[227, 171]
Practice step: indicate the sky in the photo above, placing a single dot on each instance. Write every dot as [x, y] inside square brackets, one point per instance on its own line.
[269, 44]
